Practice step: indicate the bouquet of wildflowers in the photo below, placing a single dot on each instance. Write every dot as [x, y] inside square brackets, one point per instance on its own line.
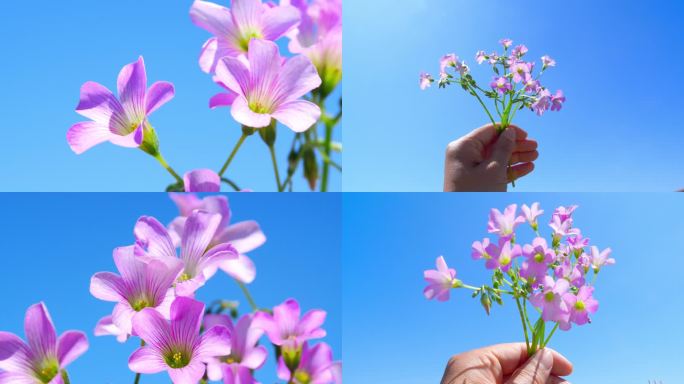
[556, 278]
[261, 87]
[153, 294]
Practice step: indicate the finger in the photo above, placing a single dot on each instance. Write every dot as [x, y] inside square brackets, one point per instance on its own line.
[484, 135]
[520, 134]
[519, 170]
[536, 370]
[524, 157]
[504, 146]
[511, 356]
[525, 145]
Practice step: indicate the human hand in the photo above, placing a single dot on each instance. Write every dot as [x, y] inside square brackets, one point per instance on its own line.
[479, 161]
[507, 364]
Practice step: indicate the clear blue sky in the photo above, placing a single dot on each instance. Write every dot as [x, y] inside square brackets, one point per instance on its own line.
[52, 48]
[621, 129]
[54, 243]
[393, 335]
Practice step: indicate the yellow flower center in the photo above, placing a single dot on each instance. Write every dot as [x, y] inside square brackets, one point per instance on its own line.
[548, 296]
[47, 370]
[505, 260]
[177, 359]
[580, 306]
[247, 37]
[302, 377]
[539, 257]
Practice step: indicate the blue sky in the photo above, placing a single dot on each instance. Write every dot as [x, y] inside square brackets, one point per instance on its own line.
[619, 131]
[56, 242]
[393, 335]
[54, 47]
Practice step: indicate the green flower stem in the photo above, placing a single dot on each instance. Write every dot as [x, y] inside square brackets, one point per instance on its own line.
[550, 334]
[524, 323]
[137, 375]
[326, 159]
[232, 184]
[232, 154]
[166, 166]
[271, 149]
[250, 300]
[482, 103]
[65, 377]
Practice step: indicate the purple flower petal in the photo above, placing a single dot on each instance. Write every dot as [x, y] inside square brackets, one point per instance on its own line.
[234, 74]
[246, 13]
[16, 378]
[298, 115]
[146, 360]
[298, 76]
[311, 322]
[277, 21]
[214, 18]
[14, 353]
[152, 327]
[132, 86]
[202, 180]
[85, 135]
[153, 236]
[129, 140]
[199, 230]
[190, 374]
[40, 332]
[242, 269]
[214, 342]
[158, 94]
[107, 286]
[244, 115]
[222, 100]
[106, 327]
[122, 317]
[245, 236]
[99, 104]
[70, 346]
[264, 62]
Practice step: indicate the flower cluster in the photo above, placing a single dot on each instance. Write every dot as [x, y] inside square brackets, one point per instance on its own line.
[154, 290]
[154, 294]
[557, 277]
[261, 87]
[514, 86]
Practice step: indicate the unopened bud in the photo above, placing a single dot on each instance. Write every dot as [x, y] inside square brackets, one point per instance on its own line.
[310, 168]
[486, 302]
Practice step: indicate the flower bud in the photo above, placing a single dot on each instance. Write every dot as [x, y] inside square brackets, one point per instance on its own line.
[486, 302]
[291, 356]
[268, 134]
[150, 143]
[310, 168]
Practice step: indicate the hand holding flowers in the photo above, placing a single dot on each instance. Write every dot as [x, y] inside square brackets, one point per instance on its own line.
[556, 277]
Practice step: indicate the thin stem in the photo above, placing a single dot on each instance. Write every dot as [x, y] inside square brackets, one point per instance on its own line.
[137, 375]
[550, 334]
[65, 377]
[326, 159]
[248, 295]
[231, 183]
[482, 103]
[275, 166]
[522, 319]
[232, 155]
[166, 166]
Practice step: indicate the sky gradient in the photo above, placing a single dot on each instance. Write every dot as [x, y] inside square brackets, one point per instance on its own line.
[55, 47]
[618, 131]
[392, 334]
[77, 233]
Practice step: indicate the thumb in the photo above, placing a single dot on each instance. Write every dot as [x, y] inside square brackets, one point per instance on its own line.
[504, 146]
[536, 370]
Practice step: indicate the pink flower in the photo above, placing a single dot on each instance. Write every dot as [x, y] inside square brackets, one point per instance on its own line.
[557, 101]
[581, 306]
[425, 80]
[319, 37]
[565, 213]
[244, 236]
[141, 284]
[270, 87]
[244, 349]
[503, 255]
[452, 61]
[45, 356]
[600, 258]
[199, 258]
[480, 250]
[285, 327]
[493, 58]
[519, 51]
[506, 43]
[501, 85]
[121, 121]
[573, 274]
[548, 62]
[202, 180]
[542, 103]
[316, 366]
[234, 28]
[531, 214]
[562, 228]
[480, 57]
[504, 223]
[550, 299]
[440, 281]
[520, 70]
[539, 256]
[532, 85]
[177, 346]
